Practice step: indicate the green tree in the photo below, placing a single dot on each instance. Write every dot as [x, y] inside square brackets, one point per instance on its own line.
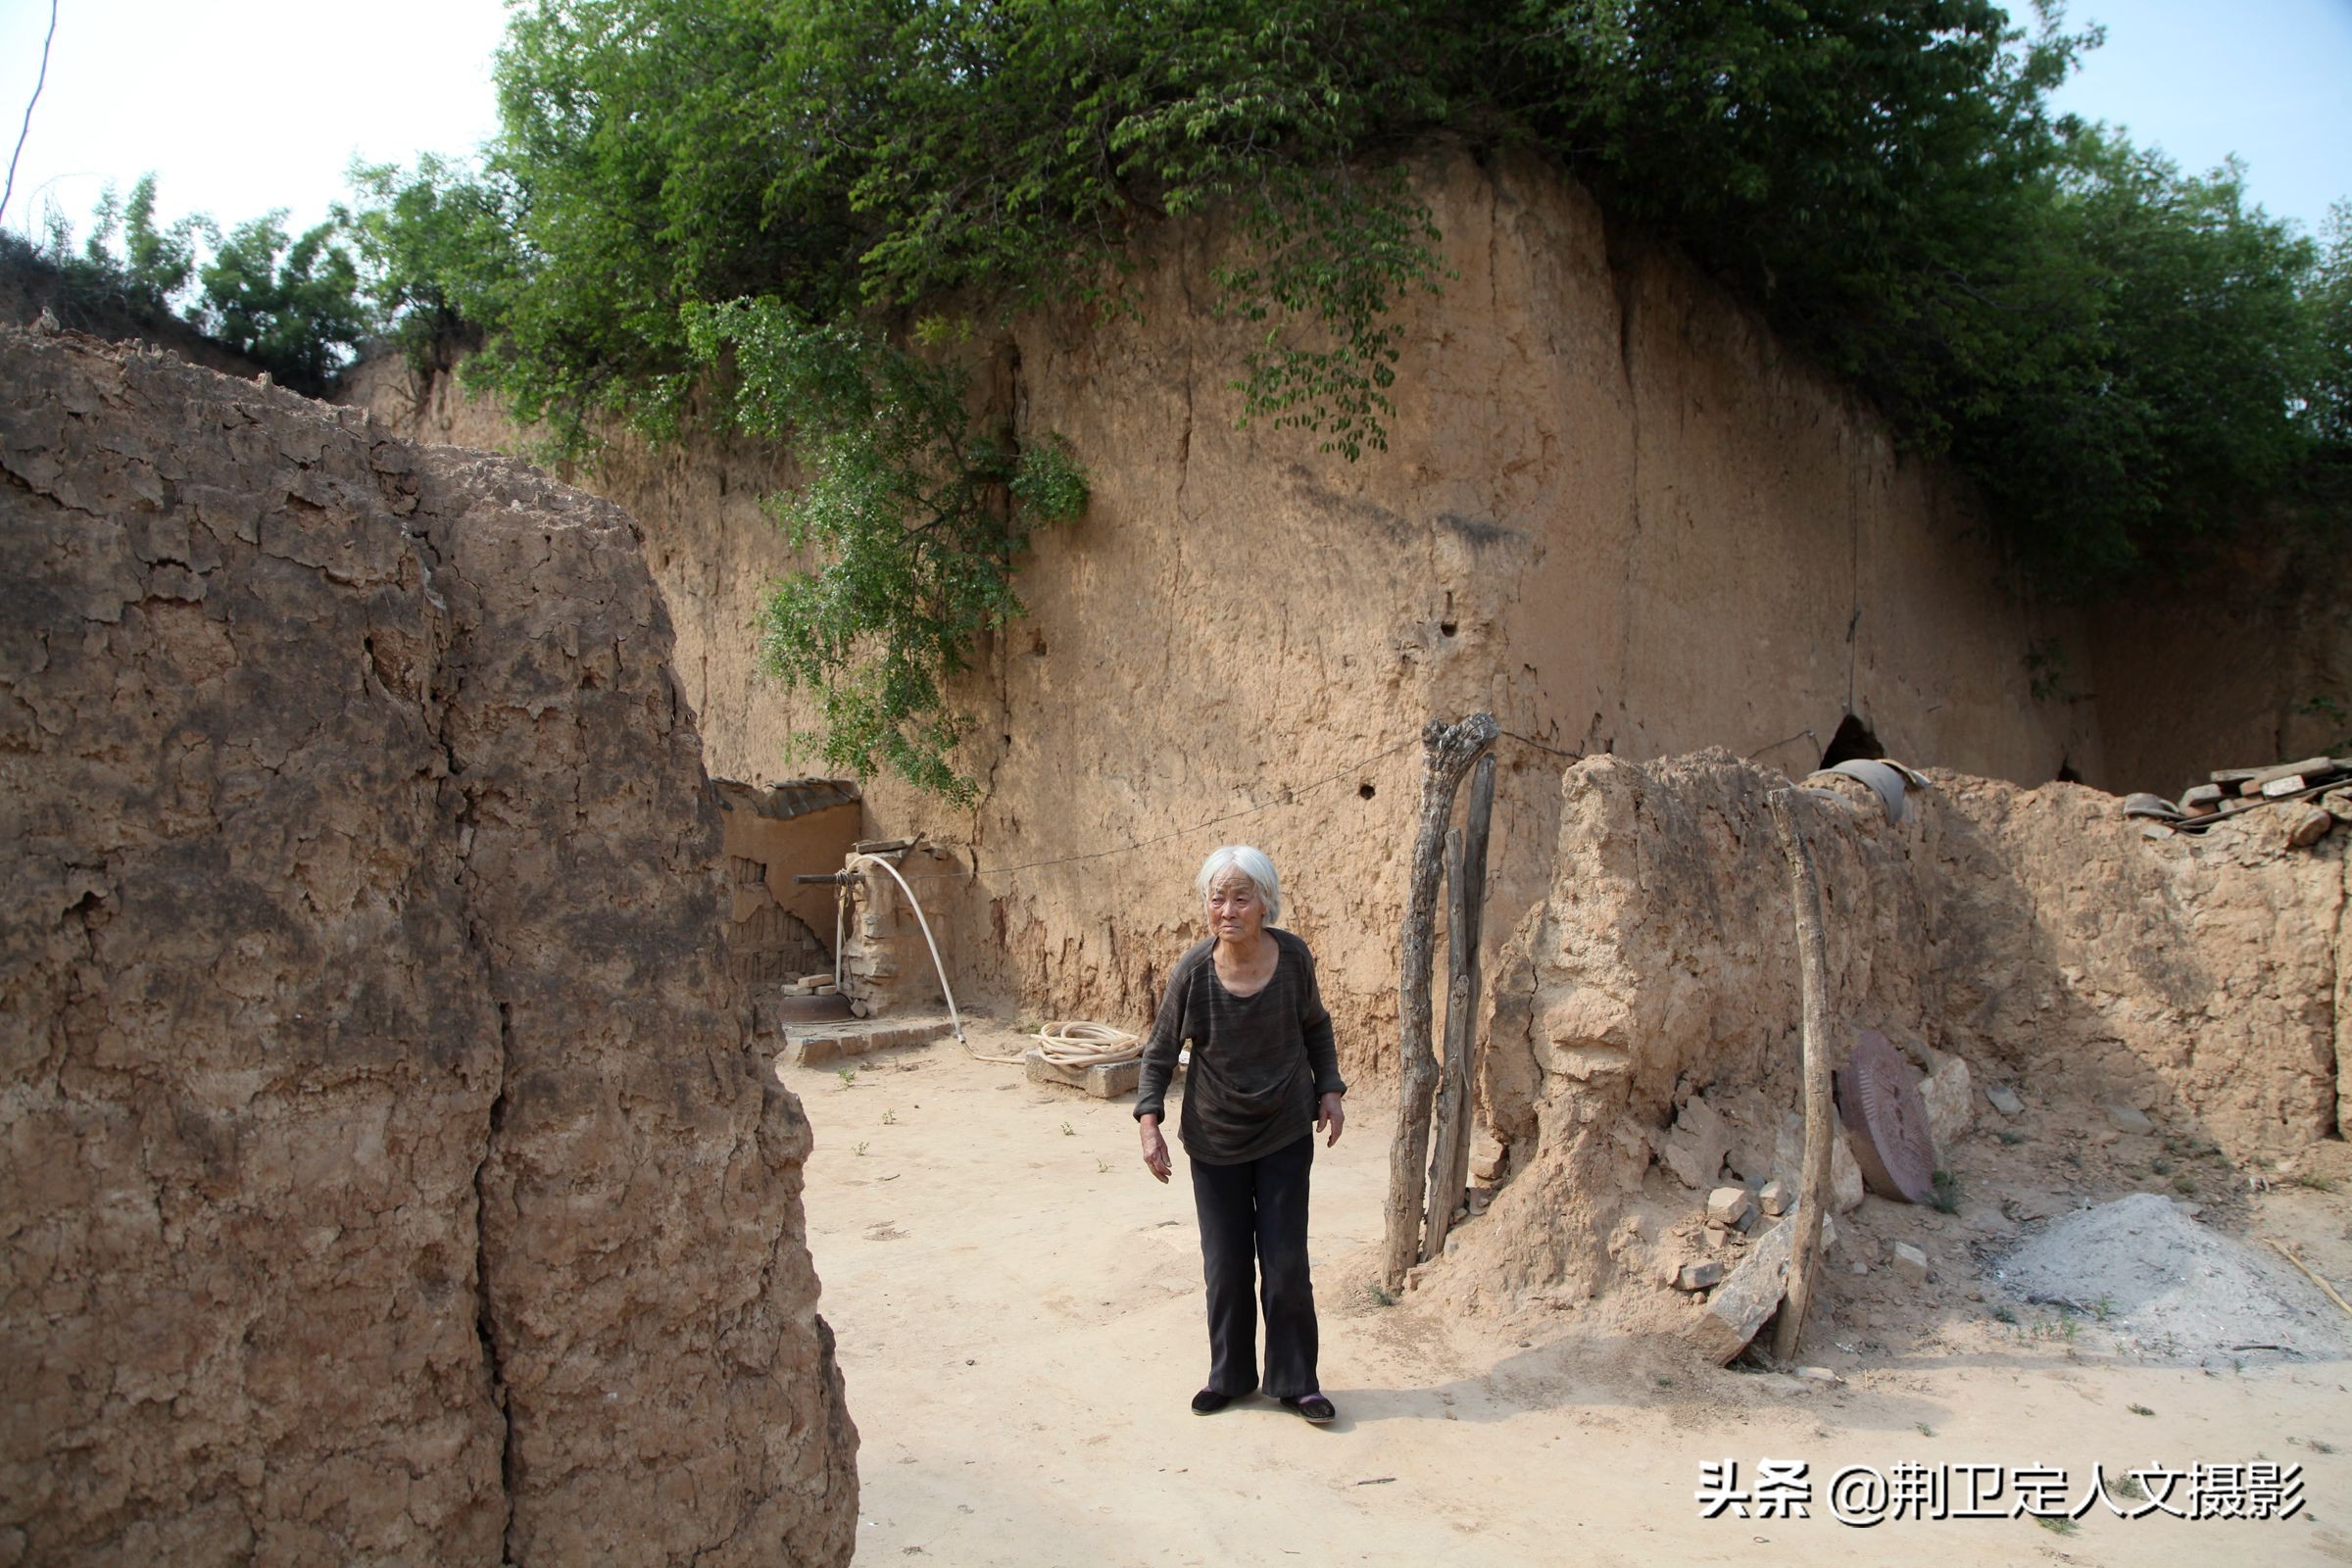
[2329, 415]
[292, 306]
[917, 520]
[436, 249]
[158, 263]
[2184, 351]
[2121, 357]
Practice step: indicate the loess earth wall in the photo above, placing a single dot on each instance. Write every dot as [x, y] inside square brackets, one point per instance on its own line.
[388, 1176]
[1613, 511]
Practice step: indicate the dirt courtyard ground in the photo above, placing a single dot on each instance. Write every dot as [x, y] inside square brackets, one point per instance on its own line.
[1018, 1312]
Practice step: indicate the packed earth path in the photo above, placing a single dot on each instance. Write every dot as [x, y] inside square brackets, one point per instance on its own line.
[1018, 1312]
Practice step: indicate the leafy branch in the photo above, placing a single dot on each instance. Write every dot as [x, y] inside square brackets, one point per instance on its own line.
[917, 520]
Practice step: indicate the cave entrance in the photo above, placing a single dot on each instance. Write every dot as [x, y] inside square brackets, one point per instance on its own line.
[777, 930]
[1853, 740]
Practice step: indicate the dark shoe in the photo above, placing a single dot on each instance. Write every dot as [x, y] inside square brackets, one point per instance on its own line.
[1209, 1401]
[1314, 1407]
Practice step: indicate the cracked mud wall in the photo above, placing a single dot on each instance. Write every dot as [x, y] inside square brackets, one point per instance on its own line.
[2037, 934]
[385, 1172]
[1613, 511]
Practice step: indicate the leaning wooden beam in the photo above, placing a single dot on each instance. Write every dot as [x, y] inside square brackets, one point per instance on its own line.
[1437, 1215]
[1447, 751]
[1821, 1115]
[1465, 925]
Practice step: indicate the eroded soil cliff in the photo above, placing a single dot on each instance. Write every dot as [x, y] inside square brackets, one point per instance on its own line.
[385, 1174]
[1614, 512]
[2165, 1003]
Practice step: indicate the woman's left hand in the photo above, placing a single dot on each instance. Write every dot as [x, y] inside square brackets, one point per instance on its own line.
[1329, 1112]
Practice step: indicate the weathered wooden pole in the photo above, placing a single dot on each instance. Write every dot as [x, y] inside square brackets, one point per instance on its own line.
[1465, 925]
[1821, 1116]
[1447, 751]
[1434, 1218]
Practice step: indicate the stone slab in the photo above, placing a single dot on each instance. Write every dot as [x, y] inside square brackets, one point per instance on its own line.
[1104, 1080]
[814, 1045]
[1748, 1297]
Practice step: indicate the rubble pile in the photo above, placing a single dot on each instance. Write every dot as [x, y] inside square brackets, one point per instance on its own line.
[2025, 952]
[2317, 792]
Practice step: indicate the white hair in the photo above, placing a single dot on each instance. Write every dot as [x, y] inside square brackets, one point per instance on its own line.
[1252, 863]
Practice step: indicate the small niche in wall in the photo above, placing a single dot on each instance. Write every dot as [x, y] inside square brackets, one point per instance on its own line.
[1852, 740]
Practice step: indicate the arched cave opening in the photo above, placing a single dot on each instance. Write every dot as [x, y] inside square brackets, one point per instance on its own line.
[1853, 739]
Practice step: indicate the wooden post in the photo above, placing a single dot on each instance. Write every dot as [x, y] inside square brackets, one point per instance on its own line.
[1466, 914]
[1821, 1116]
[1447, 750]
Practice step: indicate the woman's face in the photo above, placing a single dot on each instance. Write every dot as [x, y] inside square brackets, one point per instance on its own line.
[1235, 914]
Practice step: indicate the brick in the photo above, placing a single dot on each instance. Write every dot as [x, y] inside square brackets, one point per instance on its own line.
[1104, 1080]
[1697, 1276]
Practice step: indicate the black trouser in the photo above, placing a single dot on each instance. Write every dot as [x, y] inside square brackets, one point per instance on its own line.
[1257, 1210]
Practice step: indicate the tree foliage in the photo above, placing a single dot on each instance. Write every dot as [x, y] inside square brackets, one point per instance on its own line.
[2328, 418]
[2121, 356]
[295, 306]
[438, 251]
[289, 304]
[157, 264]
[917, 518]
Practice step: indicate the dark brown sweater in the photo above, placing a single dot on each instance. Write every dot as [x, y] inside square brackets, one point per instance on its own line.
[1259, 1062]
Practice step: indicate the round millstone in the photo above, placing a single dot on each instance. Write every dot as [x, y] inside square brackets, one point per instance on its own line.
[1879, 1100]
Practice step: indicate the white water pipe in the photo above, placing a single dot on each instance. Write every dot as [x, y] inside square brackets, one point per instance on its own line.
[855, 863]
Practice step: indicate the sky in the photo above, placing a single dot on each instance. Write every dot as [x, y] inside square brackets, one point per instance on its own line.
[238, 110]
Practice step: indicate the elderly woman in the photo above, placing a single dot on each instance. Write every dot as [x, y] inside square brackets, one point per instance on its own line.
[1265, 1078]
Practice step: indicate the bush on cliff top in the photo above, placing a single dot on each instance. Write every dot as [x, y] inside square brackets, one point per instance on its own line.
[2122, 357]
[291, 304]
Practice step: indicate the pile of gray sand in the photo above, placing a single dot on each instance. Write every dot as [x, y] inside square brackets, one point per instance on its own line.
[2161, 1285]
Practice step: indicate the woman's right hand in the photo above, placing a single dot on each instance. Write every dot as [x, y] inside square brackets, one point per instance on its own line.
[1156, 1148]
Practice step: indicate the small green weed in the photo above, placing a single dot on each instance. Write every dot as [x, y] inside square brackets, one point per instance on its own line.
[2005, 1314]
[1068, 1131]
[2056, 1524]
[2317, 1447]
[2139, 1410]
[847, 1075]
[857, 1148]
[1947, 1193]
[890, 1118]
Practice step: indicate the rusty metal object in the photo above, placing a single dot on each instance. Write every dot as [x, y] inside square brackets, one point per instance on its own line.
[1887, 1121]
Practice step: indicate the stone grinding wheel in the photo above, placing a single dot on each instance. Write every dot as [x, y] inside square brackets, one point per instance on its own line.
[1887, 1121]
